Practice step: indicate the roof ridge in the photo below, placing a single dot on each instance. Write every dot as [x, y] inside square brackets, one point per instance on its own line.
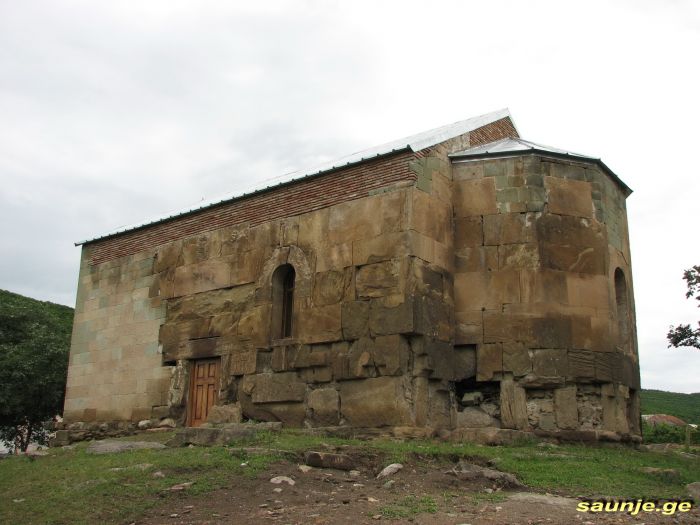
[514, 146]
[415, 142]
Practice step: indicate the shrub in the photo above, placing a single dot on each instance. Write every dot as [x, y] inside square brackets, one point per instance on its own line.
[668, 434]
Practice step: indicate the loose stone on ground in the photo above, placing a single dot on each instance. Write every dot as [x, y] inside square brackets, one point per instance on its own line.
[390, 470]
[112, 446]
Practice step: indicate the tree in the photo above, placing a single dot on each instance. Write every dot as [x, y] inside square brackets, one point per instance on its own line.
[34, 344]
[683, 334]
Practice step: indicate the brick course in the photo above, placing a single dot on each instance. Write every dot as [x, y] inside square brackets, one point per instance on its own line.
[497, 130]
[298, 197]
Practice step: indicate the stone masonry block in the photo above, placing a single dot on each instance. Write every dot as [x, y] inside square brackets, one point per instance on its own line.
[581, 364]
[200, 248]
[313, 227]
[271, 388]
[469, 327]
[588, 290]
[490, 290]
[516, 359]
[509, 228]
[581, 332]
[475, 197]
[360, 360]
[320, 324]
[391, 354]
[316, 374]
[489, 361]
[201, 277]
[366, 218]
[355, 319]
[581, 259]
[516, 256]
[283, 357]
[289, 231]
[255, 325]
[334, 257]
[432, 316]
[565, 230]
[378, 279]
[376, 402]
[430, 216]
[566, 408]
[329, 287]
[500, 327]
[468, 232]
[468, 171]
[386, 318]
[381, 248]
[572, 244]
[168, 256]
[550, 363]
[607, 366]
[543, 286]
[307, 356]
[324, 406]
[569, 197]
[229, 413]
[513, 405]
[476, 259]
[427, 279]
[629, 372]
[440, 360]
[209, 304]
[614, 404]
[243, 362]
[552, 331]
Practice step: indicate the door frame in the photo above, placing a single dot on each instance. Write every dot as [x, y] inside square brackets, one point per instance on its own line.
[191, 390]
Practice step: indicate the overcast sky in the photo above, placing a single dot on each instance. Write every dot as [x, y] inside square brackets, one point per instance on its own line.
[113, 112]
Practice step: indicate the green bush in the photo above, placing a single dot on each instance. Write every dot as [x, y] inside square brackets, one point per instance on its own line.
[668, 434]
[34, 343]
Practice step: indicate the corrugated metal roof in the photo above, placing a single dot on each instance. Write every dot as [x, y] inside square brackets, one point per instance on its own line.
[511, 144]
[663, 419]
[514, 146]
[416, 142]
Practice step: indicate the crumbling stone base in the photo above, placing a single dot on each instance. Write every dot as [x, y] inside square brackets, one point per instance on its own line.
[211, 436]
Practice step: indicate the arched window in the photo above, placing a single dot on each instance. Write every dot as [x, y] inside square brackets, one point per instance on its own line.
[282, 301]
[623, 310]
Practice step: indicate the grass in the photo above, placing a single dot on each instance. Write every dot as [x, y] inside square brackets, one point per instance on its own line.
[73, 487]
[409, 507]
[606, 471]
[483, 497]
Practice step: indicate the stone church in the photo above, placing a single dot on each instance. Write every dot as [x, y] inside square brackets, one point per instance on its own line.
[462, 278]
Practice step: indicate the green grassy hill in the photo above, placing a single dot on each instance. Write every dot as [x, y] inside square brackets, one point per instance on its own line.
[22, 317]
[684, 406]
[34, 344]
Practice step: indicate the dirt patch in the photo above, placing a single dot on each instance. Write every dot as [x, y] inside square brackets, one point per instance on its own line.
[421, 493]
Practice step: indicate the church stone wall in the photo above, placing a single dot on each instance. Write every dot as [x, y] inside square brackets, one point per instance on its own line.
[115, 371]
[537, 245]
[430, 292]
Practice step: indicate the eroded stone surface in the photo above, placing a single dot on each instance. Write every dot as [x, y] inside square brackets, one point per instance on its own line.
[220, 414]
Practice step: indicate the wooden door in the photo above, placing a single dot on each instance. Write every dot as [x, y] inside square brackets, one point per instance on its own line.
[203, 390]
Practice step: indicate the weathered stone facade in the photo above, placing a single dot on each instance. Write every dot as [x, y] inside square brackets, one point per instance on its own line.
[449, 291]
